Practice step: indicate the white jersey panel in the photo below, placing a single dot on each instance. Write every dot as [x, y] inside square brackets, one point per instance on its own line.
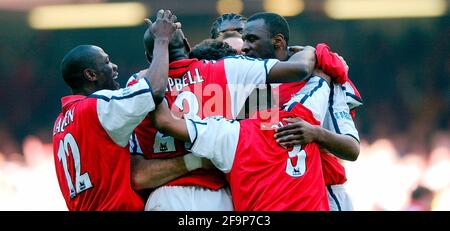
[243, 75]
[338, 118]
[214, 138]
[353, 100]
[120, 111]
[189, 198]
[338, 198]
[314, 96]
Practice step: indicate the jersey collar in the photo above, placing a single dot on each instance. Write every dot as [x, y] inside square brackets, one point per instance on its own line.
[178, 68]
[67, 100]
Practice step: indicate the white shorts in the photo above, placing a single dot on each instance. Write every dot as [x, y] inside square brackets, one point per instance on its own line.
[189, 198]
[338, 198]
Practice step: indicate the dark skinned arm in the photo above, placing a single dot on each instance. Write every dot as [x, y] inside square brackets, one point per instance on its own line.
[299, 67]
[152, 173]
[299, 132]
[156, 74]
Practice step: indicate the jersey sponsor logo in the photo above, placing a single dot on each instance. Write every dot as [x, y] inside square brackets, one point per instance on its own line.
[342, 115]
[163, 143]
[295, 163]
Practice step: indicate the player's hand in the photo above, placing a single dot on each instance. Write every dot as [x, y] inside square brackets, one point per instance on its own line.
[164, 26]
[296, 132]
[343, 61]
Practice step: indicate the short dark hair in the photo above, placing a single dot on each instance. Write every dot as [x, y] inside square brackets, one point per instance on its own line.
[75, 62]
[222, 18]
[276, 23]
[212, 49]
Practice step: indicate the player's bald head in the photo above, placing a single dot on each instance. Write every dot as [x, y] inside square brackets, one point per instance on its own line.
[76, 61]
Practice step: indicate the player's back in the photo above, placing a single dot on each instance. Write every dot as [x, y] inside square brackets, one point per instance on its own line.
[91, 169]
[201, 88]
[266, 176]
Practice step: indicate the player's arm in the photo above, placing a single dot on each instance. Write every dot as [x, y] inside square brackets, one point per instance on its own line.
[299, 66]
[299, 132]
[152, 173]
[212, 138]
[156, 74]
[167, 123]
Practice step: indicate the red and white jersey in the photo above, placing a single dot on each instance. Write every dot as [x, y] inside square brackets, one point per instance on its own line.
[344, 99]
[262, 174]
[90, 147]
[201, 88]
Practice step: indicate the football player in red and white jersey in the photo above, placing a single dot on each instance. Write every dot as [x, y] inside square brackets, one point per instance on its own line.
[262, 174]
[266, 36]
[202, 88]
[90, 135]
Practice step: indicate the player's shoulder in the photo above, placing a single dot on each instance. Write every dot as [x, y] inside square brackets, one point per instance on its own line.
[132, 79]
[240, 57]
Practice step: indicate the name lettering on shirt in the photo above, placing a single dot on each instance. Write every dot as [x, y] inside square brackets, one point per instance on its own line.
[342, 115]
[187, 79]
[63, 122]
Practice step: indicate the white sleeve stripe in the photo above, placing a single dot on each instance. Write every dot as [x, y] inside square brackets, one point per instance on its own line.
[107, 99]
[142, 91]
[306, 96]
[321, 81]
[330, 108]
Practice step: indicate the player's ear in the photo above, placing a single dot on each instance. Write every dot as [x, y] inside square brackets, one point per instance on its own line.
[278, 41]
[89, 75]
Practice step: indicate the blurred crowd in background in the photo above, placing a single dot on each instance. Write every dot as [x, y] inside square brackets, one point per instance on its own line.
[400, 66]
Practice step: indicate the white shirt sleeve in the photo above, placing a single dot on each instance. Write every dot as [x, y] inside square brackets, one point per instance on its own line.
[353, 100]
[120, 111]
[338, 118]
[214, 138]
[244, 74]
[314, 96]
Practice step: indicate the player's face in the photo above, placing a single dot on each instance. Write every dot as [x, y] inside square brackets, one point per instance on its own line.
[231, 28]
[106, 72]
[236, 43]
[257, 40]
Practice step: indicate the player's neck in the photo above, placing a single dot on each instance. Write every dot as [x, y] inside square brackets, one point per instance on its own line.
[177, 55]
[83, 91]
[282, 55]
